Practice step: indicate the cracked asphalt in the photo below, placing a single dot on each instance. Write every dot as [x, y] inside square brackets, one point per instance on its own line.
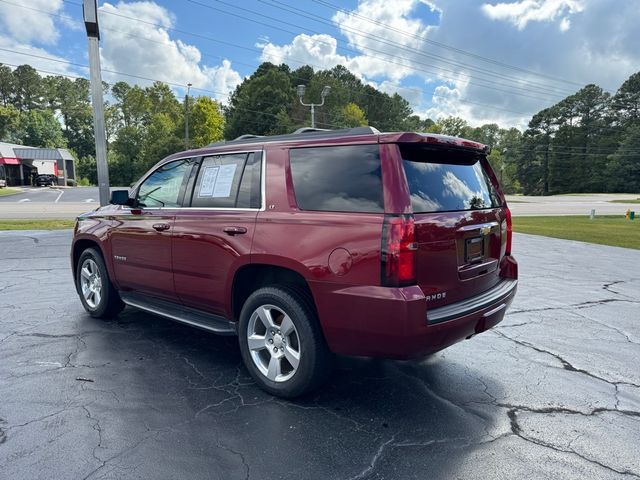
[553, 392]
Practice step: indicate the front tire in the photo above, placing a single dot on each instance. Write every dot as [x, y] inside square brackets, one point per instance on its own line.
[281, 342]
[98, 295]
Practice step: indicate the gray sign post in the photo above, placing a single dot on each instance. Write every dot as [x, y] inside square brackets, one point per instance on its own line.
[90, 13]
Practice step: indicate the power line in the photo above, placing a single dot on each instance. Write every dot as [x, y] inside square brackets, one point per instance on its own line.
[253, 49]
[520, 148]
[445, 46]
[433, 94]
[542, 88]
[412, 64]
[215, 40]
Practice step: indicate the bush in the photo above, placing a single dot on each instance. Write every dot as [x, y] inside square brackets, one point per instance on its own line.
[84, 182]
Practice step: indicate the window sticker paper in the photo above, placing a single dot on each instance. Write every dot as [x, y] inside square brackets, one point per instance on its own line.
[224, 181]
[208, 183]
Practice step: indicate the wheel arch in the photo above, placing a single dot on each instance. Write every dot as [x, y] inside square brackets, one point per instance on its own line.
[79, 246]
[252, 276]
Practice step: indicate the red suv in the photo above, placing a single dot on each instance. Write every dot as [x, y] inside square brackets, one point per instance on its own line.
[351, 242]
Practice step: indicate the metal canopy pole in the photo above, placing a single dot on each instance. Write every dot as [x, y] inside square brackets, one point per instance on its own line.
[90, 13]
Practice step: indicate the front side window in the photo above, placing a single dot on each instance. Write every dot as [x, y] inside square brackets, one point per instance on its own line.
[164, 187]
[339, 179]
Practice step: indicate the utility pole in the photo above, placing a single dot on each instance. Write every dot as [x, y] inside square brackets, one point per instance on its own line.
[90, 13]
[323, 95]
[186, 117]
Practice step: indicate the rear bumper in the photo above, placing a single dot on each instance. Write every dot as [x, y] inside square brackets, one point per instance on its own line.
[395, 323]
[493, 299]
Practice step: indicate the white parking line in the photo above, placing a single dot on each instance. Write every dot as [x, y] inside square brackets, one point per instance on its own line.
[24, 200]
[89, 200]
[59, 195]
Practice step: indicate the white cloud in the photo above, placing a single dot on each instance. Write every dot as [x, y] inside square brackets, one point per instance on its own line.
[27, 25]
[525, 11]
[156, 55]
[317, 50]
[372, 22]
[57, 65]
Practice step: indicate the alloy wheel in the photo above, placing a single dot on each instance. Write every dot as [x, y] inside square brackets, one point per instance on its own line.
[91, 283]
[273, 343]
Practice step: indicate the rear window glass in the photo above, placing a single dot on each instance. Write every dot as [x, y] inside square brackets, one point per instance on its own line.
[338, 179]
[441, 181]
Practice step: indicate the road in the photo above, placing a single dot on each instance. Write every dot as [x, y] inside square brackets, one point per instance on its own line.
[572, 204]
[553, 392]
[50, 203]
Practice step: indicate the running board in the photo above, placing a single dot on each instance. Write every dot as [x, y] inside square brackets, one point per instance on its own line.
[180, 313]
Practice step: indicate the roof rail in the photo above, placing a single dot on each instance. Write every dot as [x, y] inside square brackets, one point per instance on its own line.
[310, 129]
[247, 135]
[305, 132]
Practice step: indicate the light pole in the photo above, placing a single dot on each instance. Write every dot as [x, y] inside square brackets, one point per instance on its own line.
[323, 95]
[186, 117]
[504, 152]
[90, 14]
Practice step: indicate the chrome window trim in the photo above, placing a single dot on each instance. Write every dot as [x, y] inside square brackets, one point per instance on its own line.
[263, 189]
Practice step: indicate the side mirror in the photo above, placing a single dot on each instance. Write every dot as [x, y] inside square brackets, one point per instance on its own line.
[120, 197]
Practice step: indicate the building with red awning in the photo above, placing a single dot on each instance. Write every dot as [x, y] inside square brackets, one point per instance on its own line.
[20, 164]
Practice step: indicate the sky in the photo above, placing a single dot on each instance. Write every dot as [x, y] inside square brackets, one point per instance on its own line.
[486, 61]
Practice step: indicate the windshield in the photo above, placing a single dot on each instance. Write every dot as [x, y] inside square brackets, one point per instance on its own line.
[441, 181]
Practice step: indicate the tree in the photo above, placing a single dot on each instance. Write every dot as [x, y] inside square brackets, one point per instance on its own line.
[9, 124]
[626, 101]
[28, 88]
[207, 122]
[454, 126]
[349, 116]
[42, 129]
[624, 165]
[87, 169]
[7, 85]
[257, 102]
[159, 140]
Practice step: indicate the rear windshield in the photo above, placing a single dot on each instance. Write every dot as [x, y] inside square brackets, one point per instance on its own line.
[442, 181]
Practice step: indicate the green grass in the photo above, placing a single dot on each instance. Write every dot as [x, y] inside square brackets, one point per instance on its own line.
[611, 230]
[9, 191]
[36, 224]
[637, 200]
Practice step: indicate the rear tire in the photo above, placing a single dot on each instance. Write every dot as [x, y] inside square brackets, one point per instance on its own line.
[98, 295]
[281, 342]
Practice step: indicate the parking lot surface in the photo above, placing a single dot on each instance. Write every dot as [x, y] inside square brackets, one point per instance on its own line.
[553, 392]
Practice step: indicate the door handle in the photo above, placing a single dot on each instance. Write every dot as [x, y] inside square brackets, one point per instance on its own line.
[234, 230]
[161, 227]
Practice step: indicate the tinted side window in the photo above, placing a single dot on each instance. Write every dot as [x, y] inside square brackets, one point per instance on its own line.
[218, 181]
[249, 193]
[165, 186]
[338, 179]
[442, 181]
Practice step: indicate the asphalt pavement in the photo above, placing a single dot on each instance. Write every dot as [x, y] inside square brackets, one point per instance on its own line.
[50, 202]
[56, 195]
[553, 392]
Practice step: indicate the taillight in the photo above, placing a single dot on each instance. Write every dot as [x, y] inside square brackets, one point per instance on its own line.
[398, 251]
[507, 213]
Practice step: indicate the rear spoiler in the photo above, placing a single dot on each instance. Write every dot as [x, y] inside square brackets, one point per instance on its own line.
[435, 139]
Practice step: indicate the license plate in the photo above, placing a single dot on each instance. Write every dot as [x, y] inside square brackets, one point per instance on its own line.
[473, 249]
